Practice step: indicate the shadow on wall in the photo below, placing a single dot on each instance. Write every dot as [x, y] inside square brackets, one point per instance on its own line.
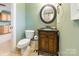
[76, 23]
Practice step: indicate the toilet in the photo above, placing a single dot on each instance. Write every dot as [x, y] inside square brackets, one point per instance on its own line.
[24, 43]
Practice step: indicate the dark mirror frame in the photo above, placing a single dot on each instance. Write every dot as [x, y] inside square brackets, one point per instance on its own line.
[50, 5]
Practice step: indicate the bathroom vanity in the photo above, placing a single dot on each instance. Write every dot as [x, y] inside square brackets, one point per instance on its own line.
[48, 42]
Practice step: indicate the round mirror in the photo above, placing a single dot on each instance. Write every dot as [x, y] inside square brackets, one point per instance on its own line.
[48, 13]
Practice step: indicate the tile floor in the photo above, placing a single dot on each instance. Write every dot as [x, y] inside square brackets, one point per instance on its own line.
[28, 52]
[5, 47]
[6, 51]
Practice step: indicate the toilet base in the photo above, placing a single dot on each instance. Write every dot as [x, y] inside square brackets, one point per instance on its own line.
[26, 52]
[23, 50]
[18, 51]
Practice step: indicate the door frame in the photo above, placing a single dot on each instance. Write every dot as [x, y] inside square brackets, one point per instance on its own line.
[13, 15]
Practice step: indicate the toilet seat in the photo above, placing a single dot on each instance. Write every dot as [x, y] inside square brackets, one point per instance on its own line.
[23, 43]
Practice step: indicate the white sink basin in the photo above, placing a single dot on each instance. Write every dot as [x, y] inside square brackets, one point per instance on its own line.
[48, 29]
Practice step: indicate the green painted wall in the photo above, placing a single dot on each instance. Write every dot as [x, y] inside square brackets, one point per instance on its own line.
[33, 20]
[69, 32]
[20, 21]
[27, 17]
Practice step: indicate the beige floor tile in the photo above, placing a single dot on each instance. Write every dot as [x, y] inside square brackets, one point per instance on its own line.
[5, 50]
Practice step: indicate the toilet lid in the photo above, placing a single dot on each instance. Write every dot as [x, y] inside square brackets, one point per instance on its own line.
[23, 42]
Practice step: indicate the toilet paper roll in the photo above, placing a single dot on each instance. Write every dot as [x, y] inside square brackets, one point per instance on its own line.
[35, 37]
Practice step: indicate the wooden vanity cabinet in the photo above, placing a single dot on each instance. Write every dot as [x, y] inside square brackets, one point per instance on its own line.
[48, 42]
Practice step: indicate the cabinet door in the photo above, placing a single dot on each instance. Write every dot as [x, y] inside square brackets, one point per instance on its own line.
[52, 42]
[43, 42]
[51, 45]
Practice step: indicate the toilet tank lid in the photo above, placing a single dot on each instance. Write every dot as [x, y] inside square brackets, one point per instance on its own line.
[29, 30]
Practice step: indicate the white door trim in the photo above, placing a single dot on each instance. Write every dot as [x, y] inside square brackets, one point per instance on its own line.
[13, 11]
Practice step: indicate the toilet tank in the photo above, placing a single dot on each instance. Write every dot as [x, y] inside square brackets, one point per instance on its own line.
[29, 34]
